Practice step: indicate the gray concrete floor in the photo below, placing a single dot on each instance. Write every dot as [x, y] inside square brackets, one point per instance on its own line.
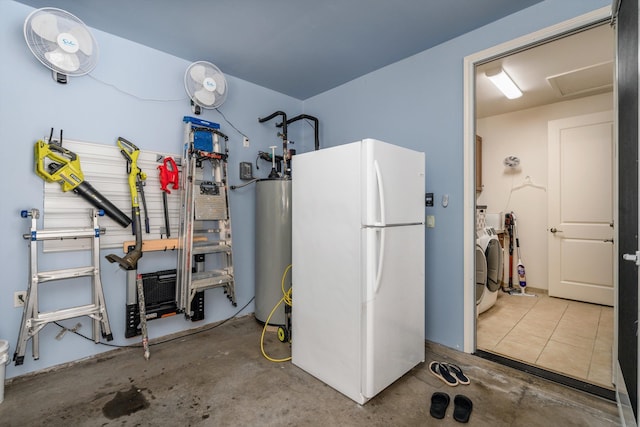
[219, 377]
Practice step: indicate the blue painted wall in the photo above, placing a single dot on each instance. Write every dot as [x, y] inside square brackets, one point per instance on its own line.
[417, 103]
[147, 108]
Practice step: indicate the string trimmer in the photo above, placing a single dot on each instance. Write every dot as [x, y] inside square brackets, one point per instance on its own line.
[136, 177]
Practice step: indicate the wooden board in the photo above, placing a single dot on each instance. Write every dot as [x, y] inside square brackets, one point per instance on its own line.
[158, 244]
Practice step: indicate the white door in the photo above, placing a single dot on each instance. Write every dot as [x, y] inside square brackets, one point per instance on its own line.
[580, 217]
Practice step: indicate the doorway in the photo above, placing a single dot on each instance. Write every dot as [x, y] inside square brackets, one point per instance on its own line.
[487, 121]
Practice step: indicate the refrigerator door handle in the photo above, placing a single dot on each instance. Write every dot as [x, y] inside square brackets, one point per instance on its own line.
[376, 166]
[380, 260]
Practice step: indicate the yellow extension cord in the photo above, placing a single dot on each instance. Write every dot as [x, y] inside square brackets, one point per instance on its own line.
[286, 298]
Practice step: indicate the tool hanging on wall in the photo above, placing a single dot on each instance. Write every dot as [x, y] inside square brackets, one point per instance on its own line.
[136, 186]
[168, 175]
[143, 316]
[57, 164]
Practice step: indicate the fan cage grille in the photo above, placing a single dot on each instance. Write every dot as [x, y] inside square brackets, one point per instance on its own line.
[203, 70]
[40, 46]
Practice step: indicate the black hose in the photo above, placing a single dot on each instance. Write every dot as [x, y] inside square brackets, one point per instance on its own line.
[315, 127]
[283, 124]
[284, 133]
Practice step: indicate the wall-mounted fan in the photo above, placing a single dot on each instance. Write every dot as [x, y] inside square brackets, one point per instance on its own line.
[511, 161]
[206, 86]
[61, 41]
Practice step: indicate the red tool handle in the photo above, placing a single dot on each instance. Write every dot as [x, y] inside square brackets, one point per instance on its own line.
[168, 174]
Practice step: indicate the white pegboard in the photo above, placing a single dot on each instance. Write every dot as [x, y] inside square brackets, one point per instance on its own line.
[105, 169]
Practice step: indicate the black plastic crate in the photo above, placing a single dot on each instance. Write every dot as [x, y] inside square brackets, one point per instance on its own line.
[159, 287]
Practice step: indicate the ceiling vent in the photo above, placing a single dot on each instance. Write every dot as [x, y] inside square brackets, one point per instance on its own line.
[589, 80]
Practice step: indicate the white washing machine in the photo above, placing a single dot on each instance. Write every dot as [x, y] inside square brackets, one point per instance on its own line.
[489, 268]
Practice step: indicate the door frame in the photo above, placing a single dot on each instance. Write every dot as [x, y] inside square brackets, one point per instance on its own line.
[469, 193]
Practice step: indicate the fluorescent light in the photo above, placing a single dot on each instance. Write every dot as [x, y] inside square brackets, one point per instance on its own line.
[503, 82]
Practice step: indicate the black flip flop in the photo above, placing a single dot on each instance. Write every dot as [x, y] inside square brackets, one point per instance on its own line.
[462, 408]
[439, 404]
[440, 370]
[456, 371]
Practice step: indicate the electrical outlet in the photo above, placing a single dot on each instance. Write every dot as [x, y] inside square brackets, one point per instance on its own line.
[19, 298]
[245, 142]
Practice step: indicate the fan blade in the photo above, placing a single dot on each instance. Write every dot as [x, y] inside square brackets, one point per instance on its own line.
[85, 41]
[46, 26]
[198, 73]
[205, 97]
[68, 62]
[221, 84]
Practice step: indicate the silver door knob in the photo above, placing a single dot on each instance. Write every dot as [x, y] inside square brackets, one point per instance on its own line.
[555, 230]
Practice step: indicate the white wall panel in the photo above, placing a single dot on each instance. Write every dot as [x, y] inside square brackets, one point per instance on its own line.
[105, 169]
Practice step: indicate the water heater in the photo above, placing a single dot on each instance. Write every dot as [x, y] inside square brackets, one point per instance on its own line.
[273, 247]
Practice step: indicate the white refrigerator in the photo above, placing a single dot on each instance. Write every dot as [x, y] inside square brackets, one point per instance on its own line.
[358, 265]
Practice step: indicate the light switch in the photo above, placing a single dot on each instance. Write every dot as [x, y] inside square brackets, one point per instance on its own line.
[431, 221]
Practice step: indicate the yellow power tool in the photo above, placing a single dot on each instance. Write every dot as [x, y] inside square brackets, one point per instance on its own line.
[57, 164]
[136, 184]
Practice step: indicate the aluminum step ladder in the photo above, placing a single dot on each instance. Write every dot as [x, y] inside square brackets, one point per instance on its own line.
[32, 319]
[205, 258]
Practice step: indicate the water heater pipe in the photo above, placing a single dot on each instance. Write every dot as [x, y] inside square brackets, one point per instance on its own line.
[315, 126]
[283, 134]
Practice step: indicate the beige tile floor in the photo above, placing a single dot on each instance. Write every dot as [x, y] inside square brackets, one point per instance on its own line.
[568, 337]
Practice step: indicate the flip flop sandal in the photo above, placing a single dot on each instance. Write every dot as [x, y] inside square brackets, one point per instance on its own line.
[462, 408]
[440, 370]
[456, 371]
[439, 404]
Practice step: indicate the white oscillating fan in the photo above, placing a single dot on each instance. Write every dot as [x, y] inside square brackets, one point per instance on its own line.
[206, 86]
[61, 41]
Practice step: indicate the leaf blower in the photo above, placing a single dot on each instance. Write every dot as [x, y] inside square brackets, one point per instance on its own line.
[57, 164]
[168, 172]
[136, 177]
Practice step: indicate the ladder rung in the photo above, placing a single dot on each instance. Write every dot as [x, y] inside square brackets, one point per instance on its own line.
[68, 273]
[32, 319]
[210, 248]
[67, 313]
[62, 234]
[210, 279]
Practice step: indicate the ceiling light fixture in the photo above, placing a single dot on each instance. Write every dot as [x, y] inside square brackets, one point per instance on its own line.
[503, 82]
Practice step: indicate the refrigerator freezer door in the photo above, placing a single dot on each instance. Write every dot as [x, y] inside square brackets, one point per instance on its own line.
[393, 313]
[394, 181]
[327, 268]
